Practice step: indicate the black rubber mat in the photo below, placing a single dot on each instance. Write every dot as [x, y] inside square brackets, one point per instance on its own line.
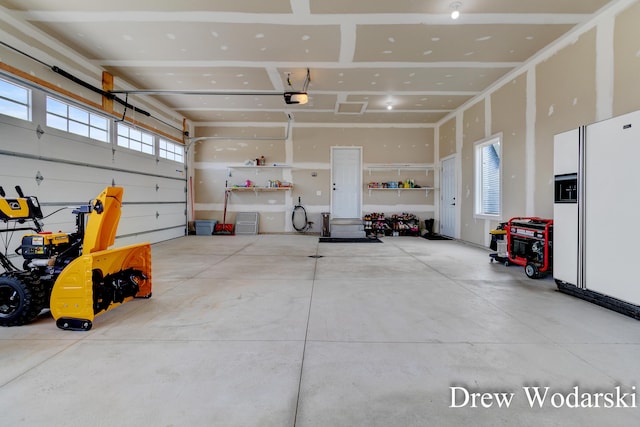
[349, 240]
[436, 237]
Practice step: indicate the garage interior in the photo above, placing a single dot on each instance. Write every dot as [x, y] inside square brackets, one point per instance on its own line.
[178, 103]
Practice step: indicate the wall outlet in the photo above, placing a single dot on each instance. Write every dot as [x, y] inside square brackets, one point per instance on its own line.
[318, 193]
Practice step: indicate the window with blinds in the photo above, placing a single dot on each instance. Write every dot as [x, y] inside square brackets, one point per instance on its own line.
[488, 174]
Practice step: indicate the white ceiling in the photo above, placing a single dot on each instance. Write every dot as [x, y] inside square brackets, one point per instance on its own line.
[363, 55]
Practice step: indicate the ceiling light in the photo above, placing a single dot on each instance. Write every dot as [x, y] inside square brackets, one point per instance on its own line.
[455, 14]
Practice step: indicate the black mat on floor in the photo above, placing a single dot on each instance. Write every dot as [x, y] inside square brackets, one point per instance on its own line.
[349, 240]
[436, 237]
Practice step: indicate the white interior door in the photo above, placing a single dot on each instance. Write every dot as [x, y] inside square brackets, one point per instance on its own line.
[346, 182]
[448, 198]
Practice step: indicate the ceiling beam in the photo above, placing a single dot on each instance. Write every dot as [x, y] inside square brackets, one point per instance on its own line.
[297, 19]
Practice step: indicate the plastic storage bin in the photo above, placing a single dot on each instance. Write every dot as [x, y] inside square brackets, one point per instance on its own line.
[205, 227]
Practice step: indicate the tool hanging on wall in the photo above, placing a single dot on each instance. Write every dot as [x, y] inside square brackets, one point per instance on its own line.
[299, 218]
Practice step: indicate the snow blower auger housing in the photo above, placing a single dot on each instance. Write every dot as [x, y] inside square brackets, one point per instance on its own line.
[76, 275]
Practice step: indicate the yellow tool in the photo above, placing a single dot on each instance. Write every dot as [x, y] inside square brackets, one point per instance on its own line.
[75, 274]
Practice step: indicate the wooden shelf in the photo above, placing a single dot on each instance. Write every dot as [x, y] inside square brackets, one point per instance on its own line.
[259, 169]
[257, 189]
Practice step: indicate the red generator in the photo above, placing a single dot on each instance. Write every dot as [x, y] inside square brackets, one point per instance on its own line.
[530, 244]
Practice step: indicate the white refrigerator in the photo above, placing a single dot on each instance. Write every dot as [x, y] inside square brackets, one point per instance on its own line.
[597, 213]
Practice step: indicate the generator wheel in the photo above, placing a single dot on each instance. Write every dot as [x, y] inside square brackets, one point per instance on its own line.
[531, 270]
[17, 303]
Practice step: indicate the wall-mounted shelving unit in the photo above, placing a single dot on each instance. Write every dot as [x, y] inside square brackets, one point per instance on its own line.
[407, 167]
[259, 168]
[400, 167]
[259, 189]
[400, 190]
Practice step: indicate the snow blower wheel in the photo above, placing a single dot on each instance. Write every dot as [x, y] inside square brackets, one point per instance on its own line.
[18, 305]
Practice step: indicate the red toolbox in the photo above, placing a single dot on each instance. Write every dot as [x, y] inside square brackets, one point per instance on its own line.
[530, 244]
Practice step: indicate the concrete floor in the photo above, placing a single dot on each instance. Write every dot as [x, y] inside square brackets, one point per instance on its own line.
[252, 331]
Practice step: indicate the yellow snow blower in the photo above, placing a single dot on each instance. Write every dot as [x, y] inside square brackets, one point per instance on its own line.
[76, 275]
